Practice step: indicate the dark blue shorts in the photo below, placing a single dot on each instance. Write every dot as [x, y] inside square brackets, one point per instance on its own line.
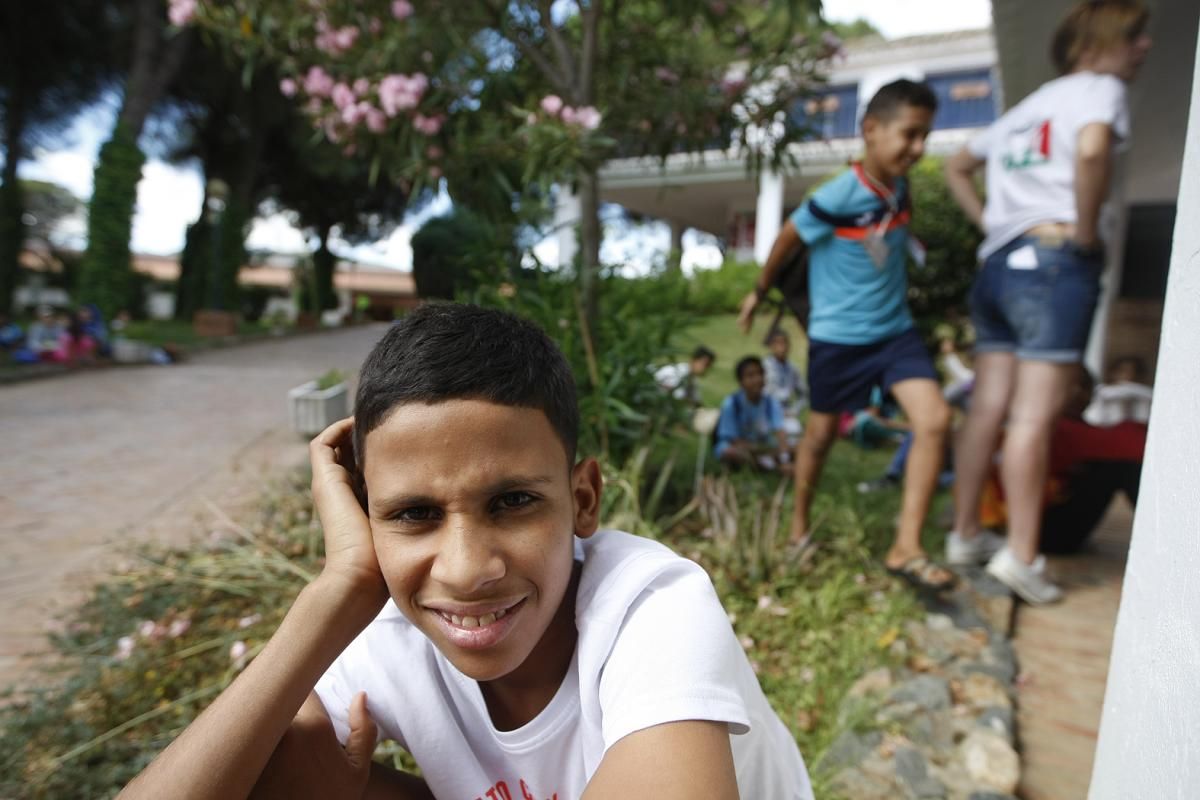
[1036, 298]
[841, 376]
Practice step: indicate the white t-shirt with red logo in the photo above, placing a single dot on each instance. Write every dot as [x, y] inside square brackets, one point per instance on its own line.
[1030, 153]
[654, 646]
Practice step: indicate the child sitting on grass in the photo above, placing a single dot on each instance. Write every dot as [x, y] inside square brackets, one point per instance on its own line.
[855, 231]
[750, 430]
[470, 610]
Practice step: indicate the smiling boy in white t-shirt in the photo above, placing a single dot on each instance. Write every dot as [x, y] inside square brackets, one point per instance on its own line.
[470, 609]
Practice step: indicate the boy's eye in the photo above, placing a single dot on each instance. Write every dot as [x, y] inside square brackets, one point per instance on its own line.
[512, 500]
[416, 514]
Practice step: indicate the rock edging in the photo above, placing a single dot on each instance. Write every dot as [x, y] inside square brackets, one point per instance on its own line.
[940, 727]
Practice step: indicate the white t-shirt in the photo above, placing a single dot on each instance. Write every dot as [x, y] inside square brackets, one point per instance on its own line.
[785, 385]
[1114, 403]
[1030, 153]
[654, 646]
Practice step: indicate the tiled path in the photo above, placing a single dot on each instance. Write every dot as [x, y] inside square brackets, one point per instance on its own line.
[98, 459]
[1063, 652]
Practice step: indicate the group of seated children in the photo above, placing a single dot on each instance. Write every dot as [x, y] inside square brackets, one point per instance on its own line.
[758, 424]
[76, 337]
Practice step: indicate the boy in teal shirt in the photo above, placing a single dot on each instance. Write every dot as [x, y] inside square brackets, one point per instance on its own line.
[861, 333]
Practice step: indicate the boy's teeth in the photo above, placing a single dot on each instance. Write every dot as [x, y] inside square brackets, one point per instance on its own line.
[476, 622]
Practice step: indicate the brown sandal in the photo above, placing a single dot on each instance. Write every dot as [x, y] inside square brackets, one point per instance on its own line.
[918, 571]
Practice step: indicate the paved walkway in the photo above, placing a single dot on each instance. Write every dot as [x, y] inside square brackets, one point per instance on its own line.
[95, 460]
[1063, 652]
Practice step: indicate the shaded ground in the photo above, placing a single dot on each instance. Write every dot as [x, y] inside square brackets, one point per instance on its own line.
[1063, 651]
[97, 458]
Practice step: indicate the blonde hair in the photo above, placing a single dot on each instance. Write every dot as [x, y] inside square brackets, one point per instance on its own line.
[1096, 25]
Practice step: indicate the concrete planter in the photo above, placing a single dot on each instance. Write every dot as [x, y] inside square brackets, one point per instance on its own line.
[312, 410]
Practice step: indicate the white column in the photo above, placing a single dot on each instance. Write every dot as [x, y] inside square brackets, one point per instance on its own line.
[768, 214]
[1150, 731]
[566, 225]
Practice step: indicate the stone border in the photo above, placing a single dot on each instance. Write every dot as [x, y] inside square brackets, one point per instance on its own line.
[940, 727]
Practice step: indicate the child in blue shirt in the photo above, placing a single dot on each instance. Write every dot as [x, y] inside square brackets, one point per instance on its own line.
[750, 430]
[861, 335]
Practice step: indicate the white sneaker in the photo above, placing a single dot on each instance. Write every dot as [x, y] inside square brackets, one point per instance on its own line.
[1024, 579]
[964, 552]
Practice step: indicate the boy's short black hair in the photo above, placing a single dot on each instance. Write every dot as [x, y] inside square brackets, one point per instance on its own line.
[448, 351]
[888, 101]
[745, 364]
[703, 352]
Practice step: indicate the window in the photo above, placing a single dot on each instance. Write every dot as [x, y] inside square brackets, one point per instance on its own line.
[831, 113]
[1147, 257]
[965, 99]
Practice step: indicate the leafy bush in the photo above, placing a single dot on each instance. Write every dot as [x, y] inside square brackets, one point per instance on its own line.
[451, 251]
[720, 290]
[619, 401]
[937, 292]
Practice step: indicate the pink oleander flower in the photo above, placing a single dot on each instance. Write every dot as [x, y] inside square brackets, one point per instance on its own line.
[287, 87]
[666, 75]
[376, 120]
[181, 12]
[247, 621]
[318, 82]
[342, 96]
[402, 9]
[428, 125]
[125, 647]
[237, 651]
[401, 92]
[567, 115]
[587, 118]
[145, 629]
[552, 104]
[354, 113]
[179, 627]
[361, 86]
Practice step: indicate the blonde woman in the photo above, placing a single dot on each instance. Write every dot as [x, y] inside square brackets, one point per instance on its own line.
[1048, 167]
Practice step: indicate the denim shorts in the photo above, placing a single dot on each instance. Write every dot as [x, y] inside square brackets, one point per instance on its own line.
[841, 376]
[1036, 298]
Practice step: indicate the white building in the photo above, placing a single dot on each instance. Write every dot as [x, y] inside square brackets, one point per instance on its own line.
[713, 192]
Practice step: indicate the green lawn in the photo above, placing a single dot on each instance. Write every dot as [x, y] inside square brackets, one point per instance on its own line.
[721, 335]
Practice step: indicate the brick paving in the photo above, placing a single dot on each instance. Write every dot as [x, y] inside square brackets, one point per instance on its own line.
[1063, 652]
[93, 461]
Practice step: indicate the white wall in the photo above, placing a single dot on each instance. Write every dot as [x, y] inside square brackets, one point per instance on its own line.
[1150, 732]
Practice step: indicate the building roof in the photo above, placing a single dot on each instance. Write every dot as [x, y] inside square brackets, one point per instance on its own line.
[349, 276]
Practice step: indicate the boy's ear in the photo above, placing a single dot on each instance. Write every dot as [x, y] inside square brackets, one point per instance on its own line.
[586, 485]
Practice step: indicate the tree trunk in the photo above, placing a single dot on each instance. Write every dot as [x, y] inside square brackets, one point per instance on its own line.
[589, 246]
[323, 266]
[106, 273]
[11, 204]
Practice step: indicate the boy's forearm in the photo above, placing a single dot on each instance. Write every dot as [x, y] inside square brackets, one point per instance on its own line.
[224, 751]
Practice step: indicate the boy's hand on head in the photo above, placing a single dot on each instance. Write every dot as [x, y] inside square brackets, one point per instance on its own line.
[349, 549]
